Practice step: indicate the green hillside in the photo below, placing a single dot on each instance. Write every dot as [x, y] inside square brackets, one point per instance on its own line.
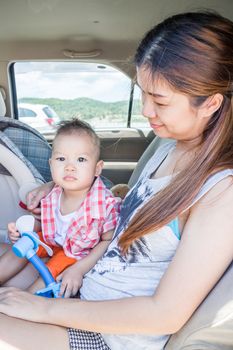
[86, 108]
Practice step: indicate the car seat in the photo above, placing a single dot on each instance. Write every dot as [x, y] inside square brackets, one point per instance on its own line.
[24, 155]
[211, 326]
[155, 143]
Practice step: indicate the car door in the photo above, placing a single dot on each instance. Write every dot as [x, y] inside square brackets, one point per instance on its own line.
[121, 150]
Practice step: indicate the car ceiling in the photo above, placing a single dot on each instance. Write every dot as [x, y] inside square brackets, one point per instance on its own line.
[123, 20]
[44, 29]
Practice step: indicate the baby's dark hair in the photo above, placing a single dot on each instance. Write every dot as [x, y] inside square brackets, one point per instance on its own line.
[75, 125]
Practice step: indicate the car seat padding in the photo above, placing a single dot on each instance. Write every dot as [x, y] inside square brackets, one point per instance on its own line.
[13, 189]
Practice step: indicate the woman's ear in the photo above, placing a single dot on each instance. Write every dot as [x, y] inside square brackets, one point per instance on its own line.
[99, 167]
[211, 105]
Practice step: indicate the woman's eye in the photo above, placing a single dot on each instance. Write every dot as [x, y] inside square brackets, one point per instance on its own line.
[81, 159]
[159, 104]
[60, 159]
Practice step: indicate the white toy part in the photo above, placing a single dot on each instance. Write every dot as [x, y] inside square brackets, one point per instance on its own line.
[25, 224]
[13, 189]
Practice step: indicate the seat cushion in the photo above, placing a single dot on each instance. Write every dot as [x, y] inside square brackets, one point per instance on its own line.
[211, 326]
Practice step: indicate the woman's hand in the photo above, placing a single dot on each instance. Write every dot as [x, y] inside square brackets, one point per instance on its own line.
[71, 281]
[34, 197]
[13, 233]
[17, 303]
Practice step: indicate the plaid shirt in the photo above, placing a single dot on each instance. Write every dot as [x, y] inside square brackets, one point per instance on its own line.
[97, 214]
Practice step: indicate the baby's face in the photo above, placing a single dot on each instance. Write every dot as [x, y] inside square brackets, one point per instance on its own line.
[74, 162]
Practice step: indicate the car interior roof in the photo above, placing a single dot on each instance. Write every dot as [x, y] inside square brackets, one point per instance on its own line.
[43, 29]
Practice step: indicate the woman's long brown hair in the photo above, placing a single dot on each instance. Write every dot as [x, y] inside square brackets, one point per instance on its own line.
[194, 53]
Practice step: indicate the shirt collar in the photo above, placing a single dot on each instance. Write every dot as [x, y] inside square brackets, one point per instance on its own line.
[95, 201]
[94, 205]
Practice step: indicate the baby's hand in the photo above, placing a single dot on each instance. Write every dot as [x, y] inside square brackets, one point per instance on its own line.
[13, 233]
[71, 280]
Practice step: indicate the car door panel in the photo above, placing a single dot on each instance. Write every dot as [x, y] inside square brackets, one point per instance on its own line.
[120, 150]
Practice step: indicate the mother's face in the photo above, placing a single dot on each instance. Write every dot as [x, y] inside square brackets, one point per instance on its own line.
[169, 112]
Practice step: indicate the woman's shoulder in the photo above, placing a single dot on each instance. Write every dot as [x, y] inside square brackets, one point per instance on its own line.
[214, 200]
[216, 186]
[216, 205]
[221, 191]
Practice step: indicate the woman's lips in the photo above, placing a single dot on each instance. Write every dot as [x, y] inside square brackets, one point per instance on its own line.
[156, 126]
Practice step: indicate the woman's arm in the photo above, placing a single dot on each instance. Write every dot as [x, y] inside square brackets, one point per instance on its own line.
[205, 251]
[34, 197]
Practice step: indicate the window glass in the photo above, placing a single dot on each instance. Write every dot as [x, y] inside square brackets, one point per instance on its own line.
[137, 119]
[50, 112]
[96, 93]
[24, 112]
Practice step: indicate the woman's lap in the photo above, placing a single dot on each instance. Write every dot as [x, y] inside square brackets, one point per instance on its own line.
[84, 340]
[23, 335]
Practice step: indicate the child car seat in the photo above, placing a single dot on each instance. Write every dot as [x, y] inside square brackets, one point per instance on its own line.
[24, 155]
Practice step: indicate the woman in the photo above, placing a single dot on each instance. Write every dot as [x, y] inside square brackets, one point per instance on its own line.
[174, 239]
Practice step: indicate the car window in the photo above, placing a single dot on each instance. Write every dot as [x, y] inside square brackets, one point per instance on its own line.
[50, 112]
[97, 93]
[137, 120]
[24, 112]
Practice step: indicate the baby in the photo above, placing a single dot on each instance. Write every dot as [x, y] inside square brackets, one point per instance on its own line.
[77, 217]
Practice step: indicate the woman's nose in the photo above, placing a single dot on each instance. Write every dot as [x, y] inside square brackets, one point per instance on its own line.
[148, 108]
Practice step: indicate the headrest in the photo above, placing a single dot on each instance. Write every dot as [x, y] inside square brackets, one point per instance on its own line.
[2, 103]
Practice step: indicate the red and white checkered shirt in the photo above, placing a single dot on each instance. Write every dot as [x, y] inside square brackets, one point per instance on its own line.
[97, 214]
